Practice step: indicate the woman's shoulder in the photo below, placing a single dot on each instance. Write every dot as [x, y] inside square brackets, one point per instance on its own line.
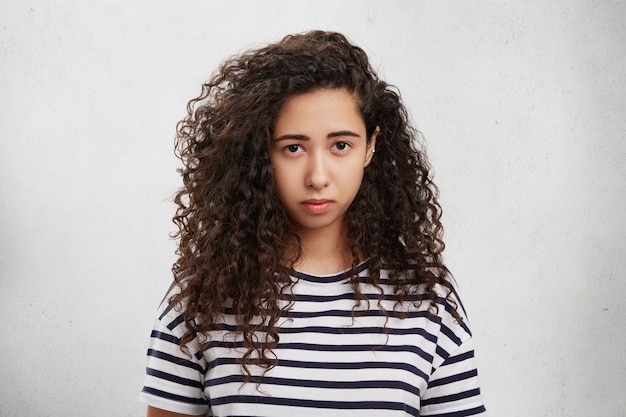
[172, 305]
[442, 290]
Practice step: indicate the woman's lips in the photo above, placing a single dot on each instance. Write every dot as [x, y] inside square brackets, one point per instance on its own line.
[317, 206]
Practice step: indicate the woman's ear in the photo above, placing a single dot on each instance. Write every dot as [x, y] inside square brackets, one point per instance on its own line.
[371, 146]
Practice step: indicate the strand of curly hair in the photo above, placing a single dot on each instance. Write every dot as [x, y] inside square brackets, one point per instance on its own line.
[233, 232]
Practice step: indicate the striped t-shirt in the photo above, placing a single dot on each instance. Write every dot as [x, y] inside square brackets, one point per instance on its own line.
[332, 360]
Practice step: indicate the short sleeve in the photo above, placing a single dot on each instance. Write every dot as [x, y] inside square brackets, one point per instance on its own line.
[453, 389]
[174, 379]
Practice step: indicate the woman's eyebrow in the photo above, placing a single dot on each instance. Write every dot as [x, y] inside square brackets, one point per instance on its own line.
[331, 135]
[343, 133]
[289, 136]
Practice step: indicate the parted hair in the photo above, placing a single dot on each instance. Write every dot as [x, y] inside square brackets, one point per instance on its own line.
[233, 233]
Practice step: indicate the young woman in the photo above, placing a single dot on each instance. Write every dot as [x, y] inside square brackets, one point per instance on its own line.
[310, 279]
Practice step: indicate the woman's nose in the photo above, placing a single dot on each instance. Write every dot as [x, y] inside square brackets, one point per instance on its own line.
[317, 175]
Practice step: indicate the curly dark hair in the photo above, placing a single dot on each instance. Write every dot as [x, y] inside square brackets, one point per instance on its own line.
[234, 233]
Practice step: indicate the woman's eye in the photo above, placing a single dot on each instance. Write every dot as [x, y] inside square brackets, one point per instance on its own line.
[293, 148]
[341, 146]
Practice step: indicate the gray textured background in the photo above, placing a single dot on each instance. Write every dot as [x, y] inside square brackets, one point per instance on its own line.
[522, 104]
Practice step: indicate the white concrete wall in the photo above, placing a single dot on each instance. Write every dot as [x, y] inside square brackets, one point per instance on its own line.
[522, 104]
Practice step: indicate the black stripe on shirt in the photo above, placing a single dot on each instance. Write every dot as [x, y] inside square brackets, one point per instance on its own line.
[173, 378]
[401, 366]
[452, 397]
[308, 383]
[175, 360]
[173, 397]
[338, 348]
[453, 378]
[336, 405]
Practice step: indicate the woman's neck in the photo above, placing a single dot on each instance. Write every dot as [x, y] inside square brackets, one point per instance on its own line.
[324, 252]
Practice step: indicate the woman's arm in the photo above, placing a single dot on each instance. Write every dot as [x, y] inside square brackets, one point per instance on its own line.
[157, 412]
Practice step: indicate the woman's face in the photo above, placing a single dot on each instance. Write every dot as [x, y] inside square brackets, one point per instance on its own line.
[318, 153]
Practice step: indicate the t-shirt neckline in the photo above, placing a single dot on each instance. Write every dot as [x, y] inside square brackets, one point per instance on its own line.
[329, 278]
